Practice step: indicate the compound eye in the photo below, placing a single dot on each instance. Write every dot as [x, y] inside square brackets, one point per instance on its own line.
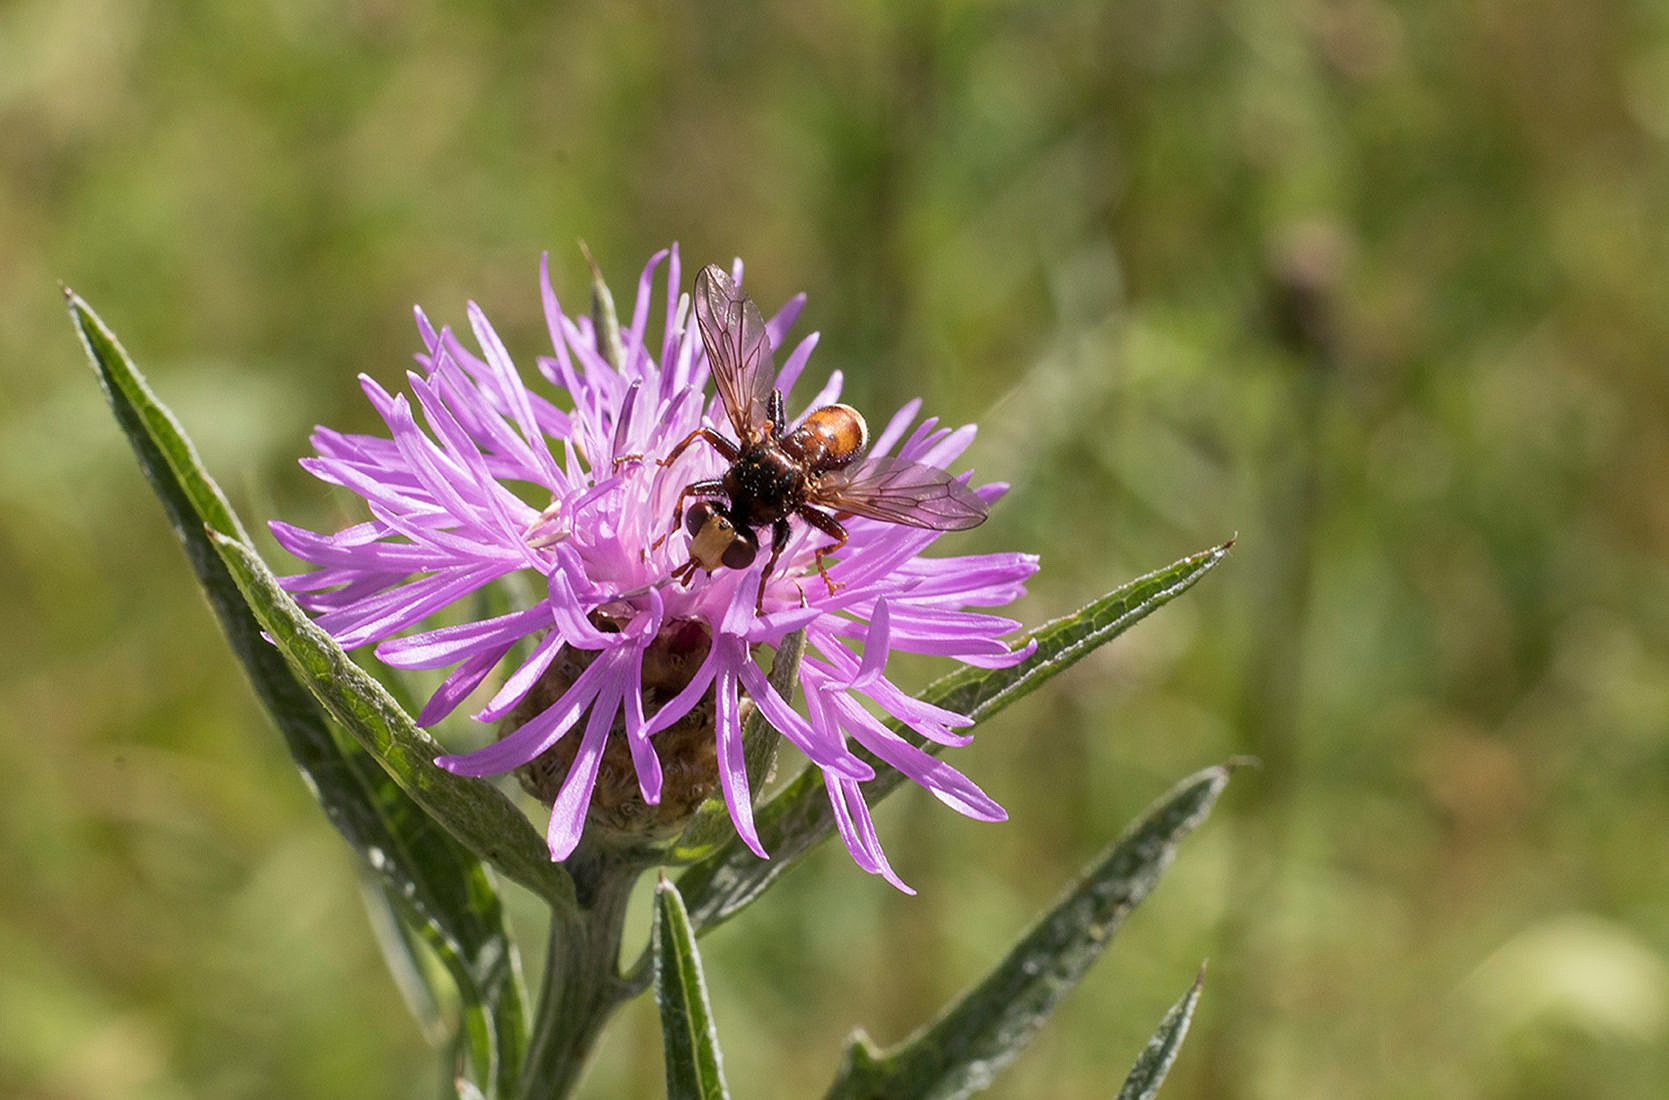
[739, 554]
[696, 517]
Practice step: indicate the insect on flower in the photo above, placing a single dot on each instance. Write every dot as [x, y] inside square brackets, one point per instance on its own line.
[619, 691]
[775, 473]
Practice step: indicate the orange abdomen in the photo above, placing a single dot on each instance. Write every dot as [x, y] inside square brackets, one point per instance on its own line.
[830, 437]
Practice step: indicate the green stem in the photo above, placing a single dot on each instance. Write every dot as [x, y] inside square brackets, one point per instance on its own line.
[582, 984]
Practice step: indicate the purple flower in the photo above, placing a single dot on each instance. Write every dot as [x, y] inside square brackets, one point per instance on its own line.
[449, 494]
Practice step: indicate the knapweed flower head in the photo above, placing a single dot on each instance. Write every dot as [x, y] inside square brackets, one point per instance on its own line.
[615, 670]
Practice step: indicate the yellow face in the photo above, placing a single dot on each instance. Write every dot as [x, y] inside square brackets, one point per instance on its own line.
[715, 541]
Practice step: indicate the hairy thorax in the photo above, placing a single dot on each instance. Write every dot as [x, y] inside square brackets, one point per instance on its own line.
[764, 485]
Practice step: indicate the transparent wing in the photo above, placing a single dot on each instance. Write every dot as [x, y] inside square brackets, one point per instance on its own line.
[897, 491]
[738, 350]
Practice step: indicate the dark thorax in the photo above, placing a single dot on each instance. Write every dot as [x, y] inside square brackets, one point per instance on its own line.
[764, 484]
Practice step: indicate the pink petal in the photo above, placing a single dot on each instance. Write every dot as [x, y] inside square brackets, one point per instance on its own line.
[572, 801]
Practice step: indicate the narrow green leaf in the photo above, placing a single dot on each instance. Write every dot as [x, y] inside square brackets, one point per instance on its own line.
[474, 812]
[694, 1069]
[798, 818]
[982, 1031]
[423, 983]
[1156, 1058]
[438, 890]
[603, 317]
[982, 692]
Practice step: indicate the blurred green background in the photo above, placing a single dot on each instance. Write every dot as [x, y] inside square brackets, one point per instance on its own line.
[1380, 287]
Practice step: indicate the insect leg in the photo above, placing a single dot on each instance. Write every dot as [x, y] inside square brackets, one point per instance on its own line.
[713, 487]
[830, 527]
[779, 539]
[779, 415]
[727, 450]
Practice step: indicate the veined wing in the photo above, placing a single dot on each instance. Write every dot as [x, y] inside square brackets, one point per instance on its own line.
[897, 491]
[738, 350]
